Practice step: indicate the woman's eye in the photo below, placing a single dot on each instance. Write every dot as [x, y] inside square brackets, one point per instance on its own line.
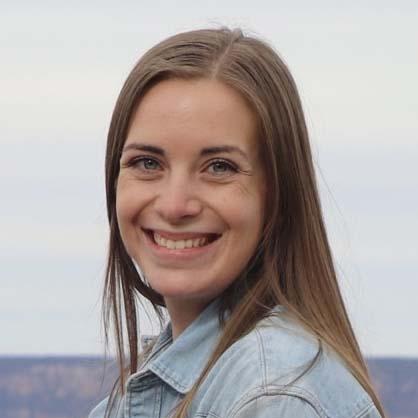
[221, 167]
[145, 164]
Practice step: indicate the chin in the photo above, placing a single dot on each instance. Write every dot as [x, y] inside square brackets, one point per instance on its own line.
[184, 286]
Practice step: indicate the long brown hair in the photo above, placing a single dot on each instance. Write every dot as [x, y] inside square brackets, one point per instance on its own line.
[293, 265]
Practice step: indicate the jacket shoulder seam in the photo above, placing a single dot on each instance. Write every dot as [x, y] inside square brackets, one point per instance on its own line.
[366, 410]
[280, 391]
[262, 357]
[319, 412]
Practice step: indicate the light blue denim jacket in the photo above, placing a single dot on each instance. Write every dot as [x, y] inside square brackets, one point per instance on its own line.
[248, 381]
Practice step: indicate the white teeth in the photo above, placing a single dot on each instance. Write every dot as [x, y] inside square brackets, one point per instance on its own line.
[180, 244]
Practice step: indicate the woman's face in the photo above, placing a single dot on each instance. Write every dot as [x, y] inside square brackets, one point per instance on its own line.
[190, 193]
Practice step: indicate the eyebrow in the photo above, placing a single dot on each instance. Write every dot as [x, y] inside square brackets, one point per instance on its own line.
[205, 151]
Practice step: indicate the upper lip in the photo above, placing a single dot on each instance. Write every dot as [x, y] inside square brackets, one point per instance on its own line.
[181, 235]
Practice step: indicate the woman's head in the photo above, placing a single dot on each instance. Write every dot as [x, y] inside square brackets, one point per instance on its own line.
[252, 73]
[287, 259]
[191, 189]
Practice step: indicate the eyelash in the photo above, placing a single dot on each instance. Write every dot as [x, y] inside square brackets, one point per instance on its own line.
[230, 166]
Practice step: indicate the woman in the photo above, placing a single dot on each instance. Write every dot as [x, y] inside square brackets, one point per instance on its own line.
[214, 214]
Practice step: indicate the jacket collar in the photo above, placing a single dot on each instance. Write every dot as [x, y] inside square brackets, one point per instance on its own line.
[181, 363]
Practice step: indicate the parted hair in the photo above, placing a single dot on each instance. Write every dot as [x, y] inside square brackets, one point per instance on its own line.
[293, 264]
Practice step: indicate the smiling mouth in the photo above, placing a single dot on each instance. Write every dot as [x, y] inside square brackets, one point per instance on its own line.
[197, 241]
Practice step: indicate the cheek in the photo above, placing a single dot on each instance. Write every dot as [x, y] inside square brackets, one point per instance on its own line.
[127, 205]
[245, 207]
[122, 216]
[127, 212]
[249, 221]
[122, 206]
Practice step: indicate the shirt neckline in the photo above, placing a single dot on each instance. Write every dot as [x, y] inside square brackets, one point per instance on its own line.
[180, 362]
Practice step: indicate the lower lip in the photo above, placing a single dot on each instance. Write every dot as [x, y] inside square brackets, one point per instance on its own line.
[180, 254]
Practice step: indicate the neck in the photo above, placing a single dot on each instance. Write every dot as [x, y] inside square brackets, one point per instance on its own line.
[182, 313]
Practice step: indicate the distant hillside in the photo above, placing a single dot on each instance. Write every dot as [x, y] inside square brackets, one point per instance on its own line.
[69, 387]
[52, 387]
[396, 381]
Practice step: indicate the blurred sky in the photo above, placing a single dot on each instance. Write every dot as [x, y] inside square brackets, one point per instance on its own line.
[62, 66]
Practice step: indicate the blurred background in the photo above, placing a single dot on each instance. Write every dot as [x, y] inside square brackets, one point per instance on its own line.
[62, 67]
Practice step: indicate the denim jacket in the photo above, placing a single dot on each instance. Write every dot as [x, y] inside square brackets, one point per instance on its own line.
[254, 378]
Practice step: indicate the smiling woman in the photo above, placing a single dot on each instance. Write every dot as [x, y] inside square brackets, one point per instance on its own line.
[190, 199]
[215, 216]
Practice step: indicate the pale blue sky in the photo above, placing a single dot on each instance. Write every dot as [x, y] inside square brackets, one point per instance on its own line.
[62, 66]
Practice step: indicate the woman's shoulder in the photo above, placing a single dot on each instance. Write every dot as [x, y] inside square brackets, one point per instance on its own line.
[99, 410]
[279, 359]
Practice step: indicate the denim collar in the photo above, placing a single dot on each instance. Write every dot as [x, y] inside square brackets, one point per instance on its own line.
[181, 363]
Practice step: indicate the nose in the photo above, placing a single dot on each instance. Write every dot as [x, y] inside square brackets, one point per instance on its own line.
[178, 200]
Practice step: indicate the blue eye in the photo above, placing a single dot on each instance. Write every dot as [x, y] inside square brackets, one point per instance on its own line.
[219, 167]
[146, 164]
[150, 164]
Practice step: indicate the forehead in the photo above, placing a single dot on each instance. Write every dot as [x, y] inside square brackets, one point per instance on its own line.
[194, 113]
